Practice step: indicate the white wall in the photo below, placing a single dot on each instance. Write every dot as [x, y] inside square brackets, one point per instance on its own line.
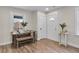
[67, 15]
[34, 20]
[6, 24]
[74, 39]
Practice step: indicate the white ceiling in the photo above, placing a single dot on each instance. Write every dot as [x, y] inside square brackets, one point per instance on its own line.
[37, 8]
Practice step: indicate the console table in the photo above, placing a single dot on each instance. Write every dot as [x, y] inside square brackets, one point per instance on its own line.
[65, 35]
[18, 39]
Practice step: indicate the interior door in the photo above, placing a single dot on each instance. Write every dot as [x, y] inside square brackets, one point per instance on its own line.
[41, 27]
[52, 25]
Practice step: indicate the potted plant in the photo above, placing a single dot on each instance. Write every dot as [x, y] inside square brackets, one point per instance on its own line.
[63, 25]
[24, 24]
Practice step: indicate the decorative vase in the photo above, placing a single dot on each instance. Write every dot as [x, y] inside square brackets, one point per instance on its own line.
[24, 28]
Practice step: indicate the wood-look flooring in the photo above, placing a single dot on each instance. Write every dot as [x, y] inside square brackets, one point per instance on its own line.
[41, 46]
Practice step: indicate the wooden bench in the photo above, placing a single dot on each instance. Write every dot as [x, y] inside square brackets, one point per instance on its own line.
[18, 39]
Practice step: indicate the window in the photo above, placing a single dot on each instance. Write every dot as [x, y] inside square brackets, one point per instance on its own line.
[77, 21]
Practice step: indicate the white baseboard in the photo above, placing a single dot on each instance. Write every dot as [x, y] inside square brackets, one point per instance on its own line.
[73, 45]
[53, 39]
[5, 43]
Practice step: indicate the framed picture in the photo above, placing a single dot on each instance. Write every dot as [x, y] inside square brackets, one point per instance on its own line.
[18, 17]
